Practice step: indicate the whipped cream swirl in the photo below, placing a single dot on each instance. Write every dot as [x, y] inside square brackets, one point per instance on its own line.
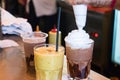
[78, 39]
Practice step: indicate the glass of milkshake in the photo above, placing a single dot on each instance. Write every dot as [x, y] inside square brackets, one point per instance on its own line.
[30, 40]
[48, 62]
[79, 49]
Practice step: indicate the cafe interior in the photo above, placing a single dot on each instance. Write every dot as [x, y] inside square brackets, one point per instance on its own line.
[102, 24]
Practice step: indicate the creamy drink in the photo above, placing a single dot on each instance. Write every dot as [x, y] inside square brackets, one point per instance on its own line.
[79, 48]
[30, 40]
[48, 62]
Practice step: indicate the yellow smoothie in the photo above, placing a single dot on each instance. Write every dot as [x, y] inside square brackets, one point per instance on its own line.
[48, 62]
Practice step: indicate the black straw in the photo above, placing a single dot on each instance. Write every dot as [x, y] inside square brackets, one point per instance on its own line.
[58, 27]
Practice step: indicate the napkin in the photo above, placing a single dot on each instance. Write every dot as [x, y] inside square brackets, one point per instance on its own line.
[7, 43]
[14, 25]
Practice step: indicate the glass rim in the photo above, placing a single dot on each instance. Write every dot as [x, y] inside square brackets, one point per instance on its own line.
[47, 44]
[29, 37]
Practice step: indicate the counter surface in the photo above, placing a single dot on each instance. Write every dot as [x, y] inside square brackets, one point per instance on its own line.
[13, 65]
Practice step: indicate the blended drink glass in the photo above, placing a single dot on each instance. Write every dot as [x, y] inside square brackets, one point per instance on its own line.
[48, 62]
[30, 40]
[79, 56]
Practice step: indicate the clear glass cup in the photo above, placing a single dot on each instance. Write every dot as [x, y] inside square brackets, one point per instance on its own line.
[79, 61]
[30, 40]
[48, 62]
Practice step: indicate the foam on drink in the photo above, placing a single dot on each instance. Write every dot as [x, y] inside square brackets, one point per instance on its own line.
[78, 39]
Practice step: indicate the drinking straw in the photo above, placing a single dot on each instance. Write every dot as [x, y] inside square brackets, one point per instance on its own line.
[58, 27]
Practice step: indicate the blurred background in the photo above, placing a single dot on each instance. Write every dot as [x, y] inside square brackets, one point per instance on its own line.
[102, 25]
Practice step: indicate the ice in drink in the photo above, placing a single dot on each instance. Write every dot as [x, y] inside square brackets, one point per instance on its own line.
[79, 49]
[48, 62]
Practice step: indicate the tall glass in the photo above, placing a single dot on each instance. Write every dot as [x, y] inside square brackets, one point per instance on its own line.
[79, 61]
[48, 62]
[30, 40]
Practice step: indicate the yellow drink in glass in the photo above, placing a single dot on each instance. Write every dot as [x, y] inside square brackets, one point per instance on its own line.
[48, 62]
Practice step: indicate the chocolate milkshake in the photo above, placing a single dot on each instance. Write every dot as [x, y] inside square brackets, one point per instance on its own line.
[79, 48]
[30, 40]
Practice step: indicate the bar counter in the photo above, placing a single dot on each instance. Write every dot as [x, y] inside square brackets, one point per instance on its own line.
[13, 65]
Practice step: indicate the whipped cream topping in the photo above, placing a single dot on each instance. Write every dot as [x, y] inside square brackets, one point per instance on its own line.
[80, 12]
[78, 39]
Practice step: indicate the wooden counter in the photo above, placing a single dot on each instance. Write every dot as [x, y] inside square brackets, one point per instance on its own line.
[13, 65]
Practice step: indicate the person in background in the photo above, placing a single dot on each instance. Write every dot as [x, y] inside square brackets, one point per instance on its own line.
[115, 4]
[15, 7]
[12, 6]
[22, 8]
[42, 13]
